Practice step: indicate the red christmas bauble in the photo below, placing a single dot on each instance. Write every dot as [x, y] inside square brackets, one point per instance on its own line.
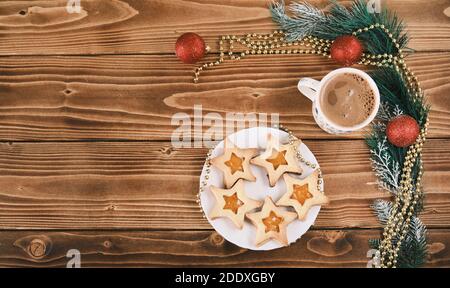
[346, 50]
[402, 131]
[190, 48]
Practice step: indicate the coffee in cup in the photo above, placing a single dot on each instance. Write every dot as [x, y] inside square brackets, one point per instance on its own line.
[344, 101]
[348, 100]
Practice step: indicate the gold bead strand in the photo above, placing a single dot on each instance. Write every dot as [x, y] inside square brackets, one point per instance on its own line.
[292, 138]
[379, 60]
[395, 215]
[205, 66]
[265, 44]
[405, 199]
[376, 60]
[387, 249]
[204, 183]
[414, 193]
[381, 27]
[412, 201]
[396, 225]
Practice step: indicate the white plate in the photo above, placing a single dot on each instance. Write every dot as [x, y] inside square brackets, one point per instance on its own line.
[245, 238]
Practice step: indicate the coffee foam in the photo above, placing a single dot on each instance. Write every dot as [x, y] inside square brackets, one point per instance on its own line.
[367, 97]
[348, 100]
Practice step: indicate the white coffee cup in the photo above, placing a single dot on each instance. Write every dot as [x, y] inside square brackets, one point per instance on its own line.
[313, 89]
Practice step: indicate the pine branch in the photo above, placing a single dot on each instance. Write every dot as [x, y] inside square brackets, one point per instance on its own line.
[305, 20]
[413, 251]
[383, 210]
[386, 113]
[374, 243]
[394, 93]
[384, 164]
[396, 98]
[309, 20]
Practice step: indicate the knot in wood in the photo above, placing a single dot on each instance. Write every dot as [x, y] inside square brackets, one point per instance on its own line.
[166, 150]
[37, 248]
[216, 239]
[330, 244]
[107, 244]
[435, 248]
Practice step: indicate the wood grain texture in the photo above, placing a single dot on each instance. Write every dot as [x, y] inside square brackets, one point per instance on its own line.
[136, 26]
[134, 97]
[93, 188]
[347, 248]
[152, 185]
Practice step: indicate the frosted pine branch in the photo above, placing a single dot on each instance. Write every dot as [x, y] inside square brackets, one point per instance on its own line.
[383, 112]
[305, 19]
[385, 167]
[386, 114]
[382, 209]
[414, 247]
[418, 231]
[414, 250]
[397, 111]
[380, 127]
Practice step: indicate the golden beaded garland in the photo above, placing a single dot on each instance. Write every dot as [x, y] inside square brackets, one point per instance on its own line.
[264, 44]
[405, 202]
[275, 43]
[409, 193]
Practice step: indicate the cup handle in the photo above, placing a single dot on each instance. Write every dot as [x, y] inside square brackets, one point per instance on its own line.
[308, 87]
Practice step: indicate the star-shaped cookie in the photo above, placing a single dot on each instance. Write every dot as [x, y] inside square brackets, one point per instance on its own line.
[235, 163]
[271, 223]
[233, 203]
[278, 159]
[302, 194]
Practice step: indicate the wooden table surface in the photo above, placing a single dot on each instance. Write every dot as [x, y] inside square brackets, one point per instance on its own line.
[86, 162]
